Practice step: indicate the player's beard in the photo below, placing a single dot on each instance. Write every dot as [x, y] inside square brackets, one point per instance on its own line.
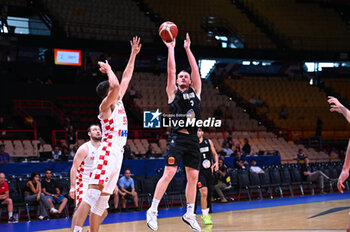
[96, 139]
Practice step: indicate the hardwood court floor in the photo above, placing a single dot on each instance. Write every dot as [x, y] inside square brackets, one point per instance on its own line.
[318, 216]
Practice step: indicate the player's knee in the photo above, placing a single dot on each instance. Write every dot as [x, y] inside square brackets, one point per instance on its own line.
[100, 206]
[92, 196]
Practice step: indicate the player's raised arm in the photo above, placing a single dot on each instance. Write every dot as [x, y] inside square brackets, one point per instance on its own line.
[113, 91]
[171, 84]
[127, 74]
[215, 156]
[336, 106]
[81, 154]
[196, 78]
[345, 172]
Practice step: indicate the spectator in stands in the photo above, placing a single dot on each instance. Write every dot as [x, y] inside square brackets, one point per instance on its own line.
[222, 180]
[72, 152]
[127, 189]
[300, 157]
[229, 140]
[127, 153]
[260, 102]
[4, 156]
[65, 154]
[236, 149]
[72, 135]
[32, 193]
[222, 157]
[56, 153]
[240, 162]
[3, 18]
[5, 197]
[67, 123]
[252, 100]
[246, 147]
[52, 192]
[256, 169]
[316, 176]
[227, 150]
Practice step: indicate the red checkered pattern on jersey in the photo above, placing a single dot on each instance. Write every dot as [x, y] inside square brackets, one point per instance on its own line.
[79, 183]
[100, 172]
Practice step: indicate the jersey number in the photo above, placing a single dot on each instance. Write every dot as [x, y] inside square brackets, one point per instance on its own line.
[192, 102]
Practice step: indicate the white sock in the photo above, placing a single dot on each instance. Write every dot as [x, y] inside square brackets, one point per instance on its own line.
[190, 209]
[205, 212]
[10, 214]
[155, 203]
[78, 229]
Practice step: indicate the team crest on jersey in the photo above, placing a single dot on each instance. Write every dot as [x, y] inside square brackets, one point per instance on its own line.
[206, 163]
[106, 179]
[171, 160]
[191, 114]
[199, 185]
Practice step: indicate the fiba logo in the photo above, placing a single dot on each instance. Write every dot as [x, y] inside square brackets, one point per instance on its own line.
[151, 119]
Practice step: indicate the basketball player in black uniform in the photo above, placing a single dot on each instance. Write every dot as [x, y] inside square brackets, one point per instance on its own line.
[205, 179]
[184, 103]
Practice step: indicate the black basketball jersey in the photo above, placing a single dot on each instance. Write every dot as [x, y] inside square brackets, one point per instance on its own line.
[186, 105]
[206, 155]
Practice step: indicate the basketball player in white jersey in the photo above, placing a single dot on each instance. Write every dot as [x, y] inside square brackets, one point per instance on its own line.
[114, 133]
[83, 165]
[336, 106]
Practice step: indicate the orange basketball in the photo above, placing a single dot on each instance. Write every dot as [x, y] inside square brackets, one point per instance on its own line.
[168, 31]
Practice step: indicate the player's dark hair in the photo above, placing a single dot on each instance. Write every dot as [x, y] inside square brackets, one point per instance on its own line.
[94, 124]
[102, 89]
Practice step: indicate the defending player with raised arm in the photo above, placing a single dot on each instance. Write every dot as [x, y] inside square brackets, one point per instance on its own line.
[83, 165]
[184, 102]
[336, 106]
[114, 134]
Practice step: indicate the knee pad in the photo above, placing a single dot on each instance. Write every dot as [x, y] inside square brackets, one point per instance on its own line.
[100, 206]
[92, 196]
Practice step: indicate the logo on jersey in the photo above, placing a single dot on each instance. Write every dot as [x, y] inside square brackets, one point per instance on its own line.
[199, 185]
[206, 163]
[191, 114]
[151, 119]
[204, 149]
[123, 133]
[171, 160]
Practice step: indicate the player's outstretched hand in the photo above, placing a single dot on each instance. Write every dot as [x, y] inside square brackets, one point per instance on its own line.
[335, 105]
[187, 41]
[170, 44]
[104, 67]
[135, 45]
[343, 176]
[72, 193]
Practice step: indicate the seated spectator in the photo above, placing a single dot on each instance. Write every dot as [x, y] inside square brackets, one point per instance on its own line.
[72, 152]
[56, 153]
[32, 193]
[52, 192]
[240, 162]
[283, 113]
[300, 157]
[127, 189]
[223, 180]
[4, 156]
[5, 197]
[128, 155]
[317, 176]
[229, 140]
[246, 147]
[65, 154]
[227, 150]
[72, 135]
[256, 169]
[252, 100]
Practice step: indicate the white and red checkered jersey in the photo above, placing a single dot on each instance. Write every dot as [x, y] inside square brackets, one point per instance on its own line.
[84, 171]
[114, 136]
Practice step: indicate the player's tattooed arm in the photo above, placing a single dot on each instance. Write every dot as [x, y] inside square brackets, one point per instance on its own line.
[195, 76]
[127, 74]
